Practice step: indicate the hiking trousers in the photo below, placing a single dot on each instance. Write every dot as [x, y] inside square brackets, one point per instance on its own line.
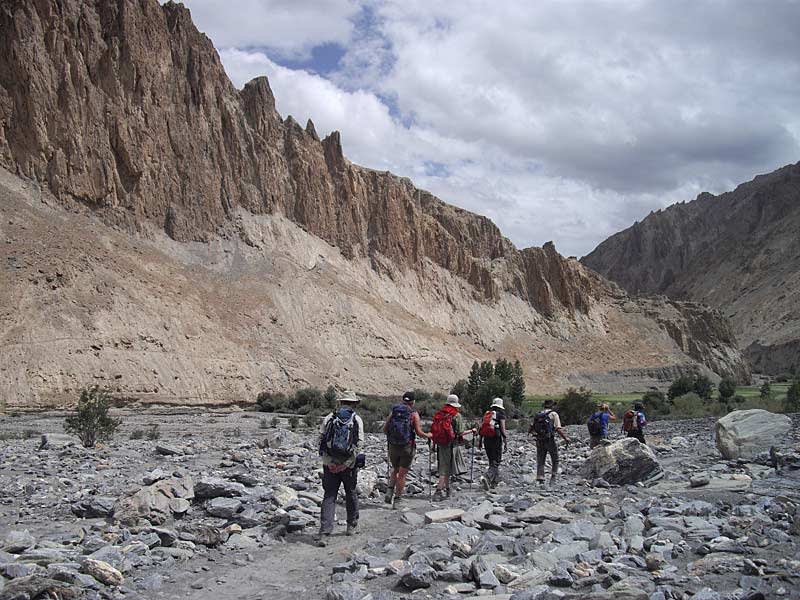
[330, 485]
[636, 433]
[543, 448]
[596, 440]
[494, 452]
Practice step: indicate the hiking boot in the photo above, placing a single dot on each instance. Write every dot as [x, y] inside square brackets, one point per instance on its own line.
[485, 483]
[540, 482]
[352, 529]
[552, 481]
[447, 493]
[398, 502]
[438, 496]
[321, 539]
[387, 498]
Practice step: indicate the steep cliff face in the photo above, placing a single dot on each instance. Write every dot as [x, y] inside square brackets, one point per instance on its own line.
[125, 106]
[260, 255]
[738, 252]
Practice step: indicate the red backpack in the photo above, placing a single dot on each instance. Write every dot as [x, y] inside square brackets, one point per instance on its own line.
[628, 421]
[442, 433]
[489, 424]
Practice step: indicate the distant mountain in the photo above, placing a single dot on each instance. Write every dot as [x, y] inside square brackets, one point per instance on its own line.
[738, 252]
[177, 240]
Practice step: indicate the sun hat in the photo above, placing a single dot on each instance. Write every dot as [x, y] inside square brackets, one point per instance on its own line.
[349, 397]
[452, 400]
[498, 402]
[408, 397]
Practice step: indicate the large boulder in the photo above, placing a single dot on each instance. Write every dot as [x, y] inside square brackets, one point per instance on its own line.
[625, 461]
[155, 502]
[746, 433]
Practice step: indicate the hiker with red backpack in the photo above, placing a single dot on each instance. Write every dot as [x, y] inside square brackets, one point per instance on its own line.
[633, 422]
[493, 437]
[401, 428]
[598, 425]
[341, 437]
[447, 431]
[546, 423]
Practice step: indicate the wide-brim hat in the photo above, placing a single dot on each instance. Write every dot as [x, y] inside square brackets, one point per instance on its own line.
[498, 402]
[349, 397]
[452, 400]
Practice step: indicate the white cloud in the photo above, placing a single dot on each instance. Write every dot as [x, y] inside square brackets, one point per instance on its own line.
[563, 121]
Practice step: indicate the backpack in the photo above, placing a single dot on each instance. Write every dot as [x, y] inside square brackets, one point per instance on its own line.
[400, 431]
[629, 421]
[442, 432]
[341, 434]
[489, 424]
[543, 425]
[595, 425]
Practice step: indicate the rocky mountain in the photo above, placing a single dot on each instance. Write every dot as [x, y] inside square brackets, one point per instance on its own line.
[738, 252]
[245, 253]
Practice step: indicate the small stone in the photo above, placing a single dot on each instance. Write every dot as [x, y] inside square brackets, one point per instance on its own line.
[420, 576]
[102, 571]
[443, 515]
[168, 450]
[224, 508]
[699, 480]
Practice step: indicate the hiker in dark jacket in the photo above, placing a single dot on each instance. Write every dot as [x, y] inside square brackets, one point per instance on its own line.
[402, 427]
[546, 440]
[493, 437]
[339, 467]
[634, 421]
[601, 417]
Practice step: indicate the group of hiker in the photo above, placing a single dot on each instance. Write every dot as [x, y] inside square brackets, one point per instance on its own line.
[342, 435]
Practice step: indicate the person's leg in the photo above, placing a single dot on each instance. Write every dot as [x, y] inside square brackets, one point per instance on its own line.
[392, 474]
[400, 483]
[330, 487]
[350, 480]
[553, 459]
[404, 462]
[541, 456]
[494, 451]
[593, 441]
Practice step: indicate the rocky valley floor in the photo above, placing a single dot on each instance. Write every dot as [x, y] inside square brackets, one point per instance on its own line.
[223, 505]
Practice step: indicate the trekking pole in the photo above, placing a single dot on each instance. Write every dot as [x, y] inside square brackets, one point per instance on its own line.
[431, 448]
[472, 463]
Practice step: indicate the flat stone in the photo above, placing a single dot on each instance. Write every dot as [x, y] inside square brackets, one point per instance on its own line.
[18, 541]
[443, 515]
[102, 571]
[224, 508]
[215, 487]
[168, 450]
[548, 511]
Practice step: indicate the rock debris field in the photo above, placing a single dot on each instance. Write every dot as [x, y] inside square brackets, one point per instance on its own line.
[224, 505]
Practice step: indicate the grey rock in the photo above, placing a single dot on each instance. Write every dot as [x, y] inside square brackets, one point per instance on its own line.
[168, 450]
[344, 591]
[224, 508]
[699, 480]
[94, 507]
[622, 462]
[419, 576]
[561, 578]
[215, 487]
[18, 541]
[747, 433]
[57, 441]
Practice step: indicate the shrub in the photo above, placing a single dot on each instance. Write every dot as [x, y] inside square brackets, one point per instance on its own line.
[271, 401]
[459, 389]
[330, 397]
[656, 402]
[688, 406]
[294, 421]
[91, 421]
[274, 422]
[30, 433]
[308, 399]
[421, 395]
[727, 388]
[680, 386]
[792, 401]
[311, 421]
[576, 406]
[263, 423]
[153, 433]
[137, 434]
[765, 393]
[236, 432]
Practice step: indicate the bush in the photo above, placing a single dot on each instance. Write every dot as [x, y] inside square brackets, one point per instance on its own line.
[656, 402]
[294, 421]
[421, 395]
[137, 434]
[765, 393]
[688, 406]
[308, 399]
[699, 384]
[727, 388]
[91, 421]
[311, 421]
[274, 422]
[576, 406]
[330, 397]
[271, 401]
[153, 433]
[792, 401]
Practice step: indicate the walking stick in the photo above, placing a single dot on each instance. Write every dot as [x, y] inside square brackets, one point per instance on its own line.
[431, 448]
[472, 463]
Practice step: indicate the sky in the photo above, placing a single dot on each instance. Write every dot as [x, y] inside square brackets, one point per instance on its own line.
[560, 120]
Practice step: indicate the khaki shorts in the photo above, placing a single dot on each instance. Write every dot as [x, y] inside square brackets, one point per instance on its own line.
[401, 456]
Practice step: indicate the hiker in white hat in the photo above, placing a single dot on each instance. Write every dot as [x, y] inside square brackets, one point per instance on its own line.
[447, 432]
[493, 437]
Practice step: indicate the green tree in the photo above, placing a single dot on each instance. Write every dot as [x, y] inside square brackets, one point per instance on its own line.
[503, 369]
[576, 406]
[473, 382]
[516, 392]
[792, 401]
[765, 393]
[487, 370]
[330, 397]
[421, 395]
[91, 421]
[680, 386]
[460, 388]
[656, 402]
[727, 388]
[703, 387]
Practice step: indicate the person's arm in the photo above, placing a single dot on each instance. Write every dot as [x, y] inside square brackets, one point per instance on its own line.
[386, 424]
[417, 422]
[360, 441]
[612, 416]
[322, 428]
[504, 434]
[557, 426]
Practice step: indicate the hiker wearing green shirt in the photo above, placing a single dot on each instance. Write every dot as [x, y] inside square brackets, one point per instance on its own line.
[447, 431]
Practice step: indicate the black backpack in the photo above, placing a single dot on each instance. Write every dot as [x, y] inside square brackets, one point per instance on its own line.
[595, 425]
[543, 425]
[341, 435]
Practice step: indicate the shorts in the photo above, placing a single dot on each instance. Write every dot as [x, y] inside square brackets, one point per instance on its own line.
[401, 457]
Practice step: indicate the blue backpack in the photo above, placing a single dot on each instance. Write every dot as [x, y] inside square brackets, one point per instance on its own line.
[543, 425]
[595, 424]
[341, 434]
[399, 431]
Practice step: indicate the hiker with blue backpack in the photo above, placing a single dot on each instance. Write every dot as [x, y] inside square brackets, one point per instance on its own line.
[401, 428]
[341, 437]
[598, 425]
[546, 424]
[493, 437]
